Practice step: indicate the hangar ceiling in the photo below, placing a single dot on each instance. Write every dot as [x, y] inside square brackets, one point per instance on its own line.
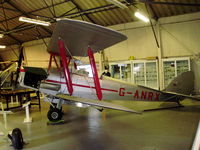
[96, 11]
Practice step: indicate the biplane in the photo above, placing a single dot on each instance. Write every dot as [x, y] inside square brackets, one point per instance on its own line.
[68, 86]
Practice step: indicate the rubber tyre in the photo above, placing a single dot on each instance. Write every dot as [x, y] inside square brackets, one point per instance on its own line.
[17, 139]
[54, 114]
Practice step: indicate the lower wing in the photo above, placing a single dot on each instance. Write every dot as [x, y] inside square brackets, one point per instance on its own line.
[95, 103]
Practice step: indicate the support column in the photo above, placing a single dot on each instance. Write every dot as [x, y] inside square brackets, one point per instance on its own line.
[160, 56]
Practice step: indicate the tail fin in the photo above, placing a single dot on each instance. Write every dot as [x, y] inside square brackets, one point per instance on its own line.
[183, 84]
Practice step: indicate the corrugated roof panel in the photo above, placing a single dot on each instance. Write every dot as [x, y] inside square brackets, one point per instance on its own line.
[27, 35]
[45, 12]
[32, 5]
[63, 8]
[6, 40]
[103, 20]
[9, 11]
[98, 19]
[174, 10]
[87, 4]
[114, 16]
[28, 5]
[103, 16]
[164, 10]
[114, 19]
[106, 17]
[13, 23]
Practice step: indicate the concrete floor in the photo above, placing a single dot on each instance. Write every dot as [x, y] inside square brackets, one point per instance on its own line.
[88, 129]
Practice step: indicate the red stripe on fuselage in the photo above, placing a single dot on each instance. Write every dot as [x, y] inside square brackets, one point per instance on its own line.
[85, 86]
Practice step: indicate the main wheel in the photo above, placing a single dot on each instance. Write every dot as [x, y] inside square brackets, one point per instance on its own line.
[54, 114]
[17, 139]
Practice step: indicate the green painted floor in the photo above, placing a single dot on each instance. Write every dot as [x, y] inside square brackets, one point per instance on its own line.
[89, 129]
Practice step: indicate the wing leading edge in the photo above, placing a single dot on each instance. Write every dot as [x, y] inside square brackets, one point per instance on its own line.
[96, 103]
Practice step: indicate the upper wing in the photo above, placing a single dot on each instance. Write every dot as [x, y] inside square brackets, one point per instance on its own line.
[95, 103]
[78, 35]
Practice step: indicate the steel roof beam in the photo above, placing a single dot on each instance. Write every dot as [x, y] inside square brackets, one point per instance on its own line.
[18, 41]
[72, 15]
[155, 16]
[9, 9]
[65, 13]
[24, 13]
[80, 9]
[169, 3]
[5, 17]
[30, 13]
[94, 10]
[53, 14]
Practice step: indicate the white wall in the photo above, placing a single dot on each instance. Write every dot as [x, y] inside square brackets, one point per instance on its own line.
[179, 37]
[140, 42]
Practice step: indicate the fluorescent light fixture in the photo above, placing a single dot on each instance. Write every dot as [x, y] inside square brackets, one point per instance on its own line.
[2, 46]
[141, 17]
[34, 21]
[117, 3]
[1, 35]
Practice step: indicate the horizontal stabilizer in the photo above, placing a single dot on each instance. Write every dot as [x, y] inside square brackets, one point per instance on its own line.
[182, 95]
[95, 103]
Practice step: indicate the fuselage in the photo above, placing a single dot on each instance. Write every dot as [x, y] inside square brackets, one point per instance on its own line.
[83, 86]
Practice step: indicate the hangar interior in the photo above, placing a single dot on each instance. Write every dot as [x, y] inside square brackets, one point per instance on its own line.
[153, 54]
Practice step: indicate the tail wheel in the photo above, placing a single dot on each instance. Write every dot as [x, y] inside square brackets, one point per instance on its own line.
[54, 114]
[17, 139]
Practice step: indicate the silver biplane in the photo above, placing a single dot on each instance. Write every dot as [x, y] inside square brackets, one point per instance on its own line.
[65, 86]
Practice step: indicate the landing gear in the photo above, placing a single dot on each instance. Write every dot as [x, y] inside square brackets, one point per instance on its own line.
[54, 105]
[16, 138]
[55, 111]
[54, 114]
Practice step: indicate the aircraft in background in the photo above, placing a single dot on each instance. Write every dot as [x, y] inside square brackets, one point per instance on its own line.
[10, 72]
[68, 86]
